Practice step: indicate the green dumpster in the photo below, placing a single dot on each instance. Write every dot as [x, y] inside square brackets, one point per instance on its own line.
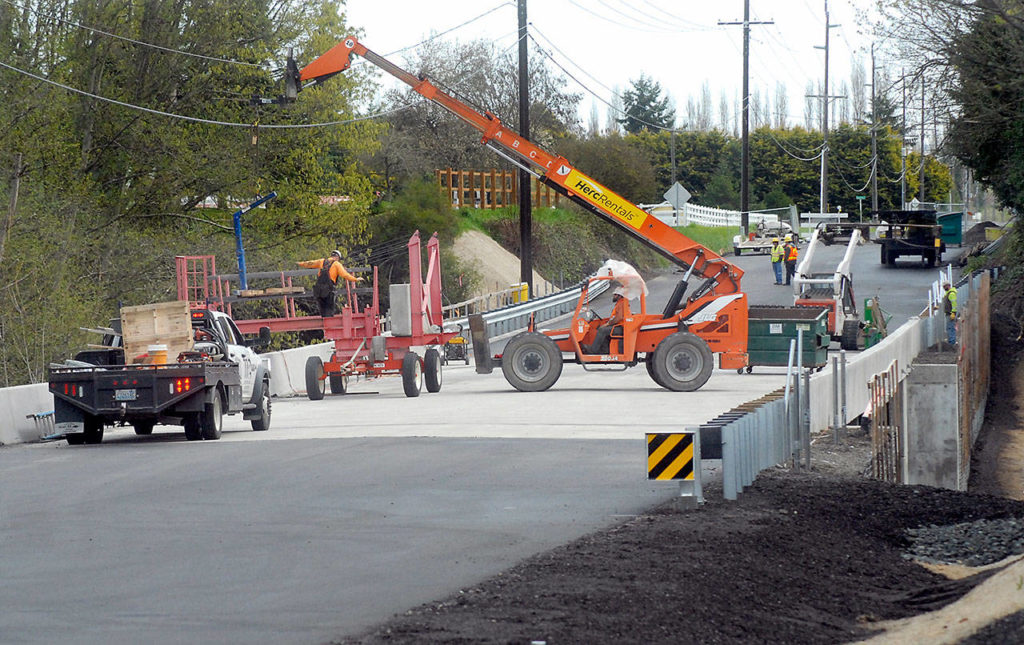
[769, 330]
[952, 228]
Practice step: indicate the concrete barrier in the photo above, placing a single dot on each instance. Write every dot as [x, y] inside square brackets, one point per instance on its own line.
[288, 368]
[15, 404]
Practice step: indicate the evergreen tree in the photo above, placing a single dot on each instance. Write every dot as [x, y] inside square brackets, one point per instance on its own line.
[645, 107]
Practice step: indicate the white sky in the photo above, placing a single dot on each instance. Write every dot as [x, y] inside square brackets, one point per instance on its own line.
[607, 43]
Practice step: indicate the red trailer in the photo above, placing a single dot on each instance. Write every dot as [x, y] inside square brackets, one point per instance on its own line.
[361, 345]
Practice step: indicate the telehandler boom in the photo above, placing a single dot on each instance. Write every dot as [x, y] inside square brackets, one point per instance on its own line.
[711, 319]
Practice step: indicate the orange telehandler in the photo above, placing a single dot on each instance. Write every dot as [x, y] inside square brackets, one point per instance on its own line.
[676, 344]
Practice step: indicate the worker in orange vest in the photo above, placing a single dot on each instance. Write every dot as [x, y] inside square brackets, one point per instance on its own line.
[789, 252]
[331, 269]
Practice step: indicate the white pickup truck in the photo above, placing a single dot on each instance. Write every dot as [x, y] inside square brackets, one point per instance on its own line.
[220, 375]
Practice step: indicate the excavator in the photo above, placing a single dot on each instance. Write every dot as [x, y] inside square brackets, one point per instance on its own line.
[677, 344]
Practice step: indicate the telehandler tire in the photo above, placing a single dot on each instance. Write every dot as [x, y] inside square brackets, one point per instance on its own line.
[531, 362]
[682, 362]
[649, 363]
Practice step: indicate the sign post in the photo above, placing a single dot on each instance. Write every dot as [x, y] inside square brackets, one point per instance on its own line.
[677, 196]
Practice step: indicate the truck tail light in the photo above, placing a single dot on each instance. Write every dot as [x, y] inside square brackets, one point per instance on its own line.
[181, 385]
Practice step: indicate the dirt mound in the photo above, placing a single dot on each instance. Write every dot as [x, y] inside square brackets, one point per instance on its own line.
[976, 233]
[798, 558]
[498, 268]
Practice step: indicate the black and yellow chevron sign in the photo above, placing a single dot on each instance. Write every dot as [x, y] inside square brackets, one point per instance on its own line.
[669, 455]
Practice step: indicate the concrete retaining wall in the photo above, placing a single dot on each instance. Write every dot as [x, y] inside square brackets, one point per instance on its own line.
[17, 402]
[933, 447]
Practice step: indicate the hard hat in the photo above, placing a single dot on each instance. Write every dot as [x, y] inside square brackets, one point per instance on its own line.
[336, 252]
[619, 291]
[775, 239]
[789, 237]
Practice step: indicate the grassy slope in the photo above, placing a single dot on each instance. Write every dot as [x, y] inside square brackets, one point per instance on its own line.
[571, 242]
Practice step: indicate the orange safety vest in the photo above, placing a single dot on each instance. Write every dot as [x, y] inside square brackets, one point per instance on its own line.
[791, 253]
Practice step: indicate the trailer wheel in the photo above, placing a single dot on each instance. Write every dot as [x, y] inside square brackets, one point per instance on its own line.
[736, 250]
[314, 378]
[212, 417]
[412, 374]
[338, 383]
[193, 427]
[683, 362]
[75, 438]
[532, 362]
[93, 430]
[263, 421]
[852, 337]
[144, 427]
[432, 370]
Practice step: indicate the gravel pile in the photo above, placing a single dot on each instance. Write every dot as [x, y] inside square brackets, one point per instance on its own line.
[973, 544]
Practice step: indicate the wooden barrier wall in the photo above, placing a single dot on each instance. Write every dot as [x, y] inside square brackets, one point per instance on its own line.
[491, 189]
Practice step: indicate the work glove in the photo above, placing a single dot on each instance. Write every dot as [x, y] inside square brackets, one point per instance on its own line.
[952, 316]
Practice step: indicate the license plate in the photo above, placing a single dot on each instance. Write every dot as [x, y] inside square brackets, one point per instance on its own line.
[125, 395]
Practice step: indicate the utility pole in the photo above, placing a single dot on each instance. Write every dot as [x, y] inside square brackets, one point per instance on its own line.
[824, 127]
[921, 191]
[745, 128]
[903, 142]
[525, 203]
[874, 137]
[12, 205]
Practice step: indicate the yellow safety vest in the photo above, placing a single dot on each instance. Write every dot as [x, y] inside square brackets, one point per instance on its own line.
[777, 253]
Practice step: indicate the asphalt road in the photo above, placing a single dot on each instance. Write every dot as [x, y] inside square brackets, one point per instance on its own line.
[349, 509]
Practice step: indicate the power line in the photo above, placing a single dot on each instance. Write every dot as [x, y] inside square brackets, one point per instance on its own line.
[130, 40]
[193, 119]
[591, 92]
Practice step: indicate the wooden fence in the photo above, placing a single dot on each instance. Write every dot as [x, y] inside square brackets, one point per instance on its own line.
[491, 188]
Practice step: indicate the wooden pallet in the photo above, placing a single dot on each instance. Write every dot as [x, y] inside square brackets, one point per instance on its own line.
[271, 291]
[162, 323]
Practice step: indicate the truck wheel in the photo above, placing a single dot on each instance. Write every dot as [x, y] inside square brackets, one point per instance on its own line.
[736, 250]
[144, 427]
[93, 430]
[75, 438]
[412, 374]
[212, 418]
[338, 383]
[532, 362]
[884, 258]
[263, 421]
[683, 362]
[852, 337]
[314, 378]
[649, 364]
[432, 370]
[193, 427]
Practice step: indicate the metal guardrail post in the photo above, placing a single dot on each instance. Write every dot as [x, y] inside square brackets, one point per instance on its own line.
[729, 488]
[842, 391]
[835, 400]
[798, 398]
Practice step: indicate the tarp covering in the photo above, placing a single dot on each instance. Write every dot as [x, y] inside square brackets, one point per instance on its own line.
[631, 284]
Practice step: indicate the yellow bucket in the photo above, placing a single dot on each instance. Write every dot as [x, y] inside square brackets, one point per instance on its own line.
[157, 354]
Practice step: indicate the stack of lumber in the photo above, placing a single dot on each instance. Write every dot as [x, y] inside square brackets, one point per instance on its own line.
[271, 291]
